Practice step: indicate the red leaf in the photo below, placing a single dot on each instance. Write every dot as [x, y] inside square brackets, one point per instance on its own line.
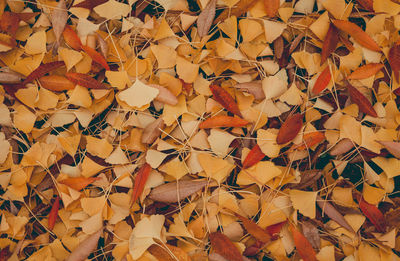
[225, 99]
[373, 214]
[303, 246]
[275, 229]
[5, 253]
[222, 121]
[223, 246]
[96, 56]
[71, 38]
[271, 7]
[255, 230]
[290, 128]
[363, 103]
[367, 4]
[11, 89]
[78, 183]
[357, 33]
[9, 23]
[394, 60]
[309, 140]
[42, 70]
[254, 156]
[90, 4]
[27, 16]
[84, 80]
[365, 71]
[330, 43]
[56, 83]
[54, 213]
[140, 181]
[323, 80]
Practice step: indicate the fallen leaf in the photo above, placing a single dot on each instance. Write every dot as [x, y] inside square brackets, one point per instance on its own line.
[290, 128]
[176, 191]
[205, 19]
[365, 71]
[224, 247]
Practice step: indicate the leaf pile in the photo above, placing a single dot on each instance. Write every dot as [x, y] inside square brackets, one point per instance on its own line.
[199, 130]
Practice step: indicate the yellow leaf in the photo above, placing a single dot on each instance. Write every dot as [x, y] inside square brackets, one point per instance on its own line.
[98, 147]
[36, 43]
[390, 166]
[70, 57]
[266, 139]
[260, 173]
[166, 56]
[304, 201]
[186, 70]
[112, 10]
[216, 168]
[24, 119]
[138, 95]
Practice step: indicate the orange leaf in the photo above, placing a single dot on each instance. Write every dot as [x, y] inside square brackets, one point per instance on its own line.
[323, 80]
[254, 156]
[222, 121]
[357, 33]
[271, 7]
[223, 245]
[84, 80]
[42, 70]
[54, 213]
[330, 43]
[394, 60]
[255, 230]
[225, 99]
[96, 56]
[373, 214]
[173, 253]
[363, 103]
[365, 71]
[303, 246]
[140, 181]
[309, 140]
[78, 183]
[290, 128]
[9, 23]
[71, 38]
[56, 83]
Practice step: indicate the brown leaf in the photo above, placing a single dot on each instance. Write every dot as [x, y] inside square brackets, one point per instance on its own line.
[240, 8]
[42, 70]
[59, 18]
[255, 230]
[165, 95]
[254, 88]
[84, 80]
[307, 179]
[225, 99]
[9, 23]
[392, 147]
[365, 71]
[90, 4]
[357, 33]
[311, 233]
[85, 248]
[205, 19]
[392, 217]
[394, 60]
[271, 7]
[176, 191]
[296, 42]
[367, 4]
[56, 83]
[290, 128]
[332, 213]
[342, 147]
[172, 254]
[9, 76]
[303, 246]
[152, 131]
[363, 103]
[373, 214]
[278, 47]
[330, 42]
[222, 245]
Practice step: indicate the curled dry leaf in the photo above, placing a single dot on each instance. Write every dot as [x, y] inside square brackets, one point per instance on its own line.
[391, 146]
[165, 95]
[206, 17]
[223, 246]
[176, 191]
[365, 71]
[42, 70]
[84, 80]
[59, 18]
[333, 214]
[254, 88]
[54, 213]
[342, 147]
[322, 81]
[140, 180]
[290, 128]
[152, 131]
[330, 42]
[357, 33]
[254, 156]
[56, 83]
[225, 99]
[255, 230]
[222, 121]
[303, 246]
[87, 246]
[363, 103]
